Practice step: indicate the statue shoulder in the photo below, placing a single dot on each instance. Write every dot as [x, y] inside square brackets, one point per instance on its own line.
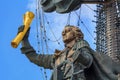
[81, 43]
[57, 53]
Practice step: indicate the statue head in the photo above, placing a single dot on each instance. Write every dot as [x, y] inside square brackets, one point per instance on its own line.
[71, 33]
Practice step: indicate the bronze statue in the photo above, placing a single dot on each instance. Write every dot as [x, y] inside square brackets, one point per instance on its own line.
[76, 62]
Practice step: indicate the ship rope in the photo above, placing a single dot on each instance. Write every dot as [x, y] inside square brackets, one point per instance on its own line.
[82, 22]
[37, 35]
[89, 7]
[40, 35]
[68, 20]
[56, 40]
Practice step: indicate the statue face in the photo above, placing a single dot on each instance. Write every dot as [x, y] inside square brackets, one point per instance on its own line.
[68, 34]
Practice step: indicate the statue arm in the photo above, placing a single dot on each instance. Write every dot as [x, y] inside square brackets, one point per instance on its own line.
[83, 52]
[116, 67]
[85, 57]
[43, 60]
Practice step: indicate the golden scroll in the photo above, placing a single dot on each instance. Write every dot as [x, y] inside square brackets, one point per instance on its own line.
[28, 17]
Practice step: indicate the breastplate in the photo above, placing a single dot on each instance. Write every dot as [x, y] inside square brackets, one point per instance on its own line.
[66, 65]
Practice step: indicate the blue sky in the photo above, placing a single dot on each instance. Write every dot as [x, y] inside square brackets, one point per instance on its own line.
[13, 64]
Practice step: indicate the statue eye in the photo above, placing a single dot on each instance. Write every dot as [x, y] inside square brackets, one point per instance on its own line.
[68, 30]
[77, 30]
[63, 33]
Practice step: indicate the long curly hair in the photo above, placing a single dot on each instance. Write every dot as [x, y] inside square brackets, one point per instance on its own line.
[77, 32]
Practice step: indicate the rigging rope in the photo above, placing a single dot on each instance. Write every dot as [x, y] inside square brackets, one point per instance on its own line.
[37, 27]
[56, 40]
[44, 38]
[53, 40]
[89, 7]
[84, 25]
[68, 21]
[78, 23]
[39, 22]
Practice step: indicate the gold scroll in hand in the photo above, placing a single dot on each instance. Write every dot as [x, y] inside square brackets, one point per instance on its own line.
[28, 17]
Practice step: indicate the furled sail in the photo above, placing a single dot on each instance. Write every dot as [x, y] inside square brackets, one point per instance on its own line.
[60, 6]
[65, 6]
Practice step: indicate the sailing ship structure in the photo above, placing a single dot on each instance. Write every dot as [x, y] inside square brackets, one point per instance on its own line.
[107, 23]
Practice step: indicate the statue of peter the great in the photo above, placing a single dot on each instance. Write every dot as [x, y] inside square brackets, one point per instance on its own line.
[77, 61]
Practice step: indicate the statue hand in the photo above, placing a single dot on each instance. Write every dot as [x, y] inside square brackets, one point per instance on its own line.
[20, 29]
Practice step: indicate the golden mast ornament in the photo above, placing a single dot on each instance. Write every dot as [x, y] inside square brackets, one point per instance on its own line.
[28, 17]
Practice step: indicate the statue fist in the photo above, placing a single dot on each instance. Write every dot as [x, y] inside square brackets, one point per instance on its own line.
[20, 29]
